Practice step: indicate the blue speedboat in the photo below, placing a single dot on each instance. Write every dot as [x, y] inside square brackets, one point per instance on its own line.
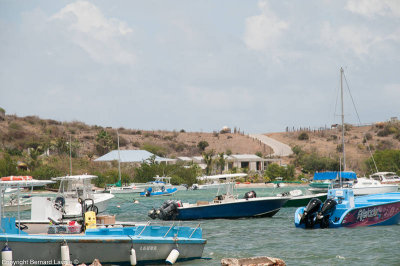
[82, 243]
[158, 191]
[226, 205]
[160, 187]
[342, 209]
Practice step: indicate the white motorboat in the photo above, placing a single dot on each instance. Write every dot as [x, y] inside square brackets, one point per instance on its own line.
[386, 177]
[12, 203]
[212, 182]
[75, 187]
[366, 186]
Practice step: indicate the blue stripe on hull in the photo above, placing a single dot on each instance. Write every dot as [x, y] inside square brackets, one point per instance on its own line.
[249, 208]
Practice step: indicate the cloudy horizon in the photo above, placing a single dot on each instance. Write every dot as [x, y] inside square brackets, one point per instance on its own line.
[200, 65]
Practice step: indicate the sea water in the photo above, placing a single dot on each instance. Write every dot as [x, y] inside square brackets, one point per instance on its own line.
[275, 236]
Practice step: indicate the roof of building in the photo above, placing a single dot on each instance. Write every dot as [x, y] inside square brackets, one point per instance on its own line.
[130, 156]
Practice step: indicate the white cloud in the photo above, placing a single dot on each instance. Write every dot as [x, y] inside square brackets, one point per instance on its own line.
[264, 31]
[372, 8]
[99, 36]
[354, 39]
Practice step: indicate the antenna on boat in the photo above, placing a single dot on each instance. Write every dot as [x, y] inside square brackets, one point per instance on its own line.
[343, 129]
[119, 159]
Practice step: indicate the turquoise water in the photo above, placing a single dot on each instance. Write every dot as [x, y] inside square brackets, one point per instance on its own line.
[276, 236]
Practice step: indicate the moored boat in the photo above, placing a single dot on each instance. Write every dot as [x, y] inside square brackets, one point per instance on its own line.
[226, 205]
[74, 243]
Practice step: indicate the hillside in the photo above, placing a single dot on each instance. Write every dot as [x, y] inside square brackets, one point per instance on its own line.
[379, 136]
[21, 133]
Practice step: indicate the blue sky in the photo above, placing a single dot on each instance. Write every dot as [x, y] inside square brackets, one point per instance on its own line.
[199, 65]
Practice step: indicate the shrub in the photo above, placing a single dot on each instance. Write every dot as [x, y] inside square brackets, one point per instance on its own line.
[303, 136]
[155, 149]
[368, 136]
[202, 145]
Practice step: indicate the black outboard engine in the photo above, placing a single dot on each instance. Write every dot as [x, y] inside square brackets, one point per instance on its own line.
[250, 194]
[325, 213]
[310, 212]
[167, 211]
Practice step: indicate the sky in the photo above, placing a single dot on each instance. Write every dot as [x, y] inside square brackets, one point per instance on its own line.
[260, 66]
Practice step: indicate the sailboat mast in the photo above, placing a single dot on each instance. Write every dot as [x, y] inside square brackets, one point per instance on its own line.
[119, 159]
[70, 155]
[343, 129]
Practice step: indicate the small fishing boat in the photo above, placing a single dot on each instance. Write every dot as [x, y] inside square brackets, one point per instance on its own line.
[74, 243]
[226, 205]
[160, 187]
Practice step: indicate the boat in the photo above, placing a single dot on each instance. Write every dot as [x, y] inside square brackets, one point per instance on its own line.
[365, 186]
[361, 186]
[75, 187]
[81, 243]
[226, 205]
[12, 203]
[343, 209]
[298, 198]
[210, 182]
[386, 177]
[118, 188]
[160, 187]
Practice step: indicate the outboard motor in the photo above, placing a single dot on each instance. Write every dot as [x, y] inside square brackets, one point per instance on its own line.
[167, 211]
[250, 194]
[310, 212]
[325, 213]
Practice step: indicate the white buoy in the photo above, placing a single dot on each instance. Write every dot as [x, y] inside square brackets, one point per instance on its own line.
[172, 257]
[6, 256]
[133, 256]
[65, 259]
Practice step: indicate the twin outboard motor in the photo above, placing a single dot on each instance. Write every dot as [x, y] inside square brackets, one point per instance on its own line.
[167, 211]
[325, 213]
[315, 214]
[250, 194]
[310, 212]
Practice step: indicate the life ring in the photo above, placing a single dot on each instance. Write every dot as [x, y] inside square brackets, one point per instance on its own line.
[16, 178]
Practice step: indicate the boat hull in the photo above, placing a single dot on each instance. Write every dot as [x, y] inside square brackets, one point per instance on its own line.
[375, 190]
[370, 210]
[253, 207]
[48, 251]
[303, 200]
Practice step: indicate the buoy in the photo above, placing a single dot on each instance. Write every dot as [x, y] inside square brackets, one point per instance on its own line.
[118, 206]
[6, 256]
[133, 256]
[65, 259]
[172, 257]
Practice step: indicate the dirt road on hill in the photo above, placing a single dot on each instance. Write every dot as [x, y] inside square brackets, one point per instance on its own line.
[280, 149]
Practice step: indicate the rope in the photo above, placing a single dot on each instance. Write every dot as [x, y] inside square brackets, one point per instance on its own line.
[359, 121]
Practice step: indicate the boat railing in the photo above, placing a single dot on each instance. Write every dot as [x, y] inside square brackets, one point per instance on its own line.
[147, 224]
[194, 230]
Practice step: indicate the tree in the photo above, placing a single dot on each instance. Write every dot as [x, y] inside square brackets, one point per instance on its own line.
[221, 162]
[386, 160]
[208, 159]
[202, 145]
[104, 142]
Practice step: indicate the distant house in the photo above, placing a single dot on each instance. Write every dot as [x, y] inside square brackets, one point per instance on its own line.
[249, 161]
[132, 156]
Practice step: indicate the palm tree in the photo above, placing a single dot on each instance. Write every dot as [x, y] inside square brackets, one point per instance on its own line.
[208, 159]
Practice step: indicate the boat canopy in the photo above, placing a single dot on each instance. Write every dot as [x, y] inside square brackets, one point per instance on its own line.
[73, 177]
[25, 183]
[334, 175]
[223, 176]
